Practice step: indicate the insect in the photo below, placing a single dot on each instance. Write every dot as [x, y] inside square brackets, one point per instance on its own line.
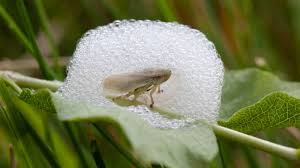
[137, 83]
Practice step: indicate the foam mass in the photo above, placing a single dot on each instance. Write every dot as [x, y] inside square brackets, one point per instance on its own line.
[193, 90]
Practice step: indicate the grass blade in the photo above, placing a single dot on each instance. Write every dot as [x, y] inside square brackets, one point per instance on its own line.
[118, 147]
[45, 26]
[166, 10]
[22, 129]
[46, 71]
[85, 157]
[113, 10]
[15, 29]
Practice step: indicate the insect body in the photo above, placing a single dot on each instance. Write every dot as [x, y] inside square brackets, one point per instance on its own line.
[137, 83]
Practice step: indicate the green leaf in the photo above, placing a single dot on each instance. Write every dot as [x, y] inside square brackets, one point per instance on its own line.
[193, 146]
[260, 101]
[186, 147]
[39, 99]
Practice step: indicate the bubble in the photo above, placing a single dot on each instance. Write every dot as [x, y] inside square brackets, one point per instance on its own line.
[193, 90]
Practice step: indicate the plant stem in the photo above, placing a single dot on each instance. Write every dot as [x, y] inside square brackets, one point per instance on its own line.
[12, 158]
[25, 81]
[267, 146]
[11, 83]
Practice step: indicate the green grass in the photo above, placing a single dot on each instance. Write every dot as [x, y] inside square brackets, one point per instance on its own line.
[27, 38]
[36, 53]
[41, 13]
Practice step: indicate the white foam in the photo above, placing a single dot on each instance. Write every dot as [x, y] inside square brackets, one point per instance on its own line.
[193, 90]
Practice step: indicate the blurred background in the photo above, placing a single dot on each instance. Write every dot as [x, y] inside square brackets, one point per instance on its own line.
[246, 33]
[263, 34]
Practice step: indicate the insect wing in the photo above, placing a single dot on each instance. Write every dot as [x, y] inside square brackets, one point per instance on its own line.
[127, 82]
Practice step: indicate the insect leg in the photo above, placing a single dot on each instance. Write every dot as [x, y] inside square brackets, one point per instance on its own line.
[151, 93]
[159, 90]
